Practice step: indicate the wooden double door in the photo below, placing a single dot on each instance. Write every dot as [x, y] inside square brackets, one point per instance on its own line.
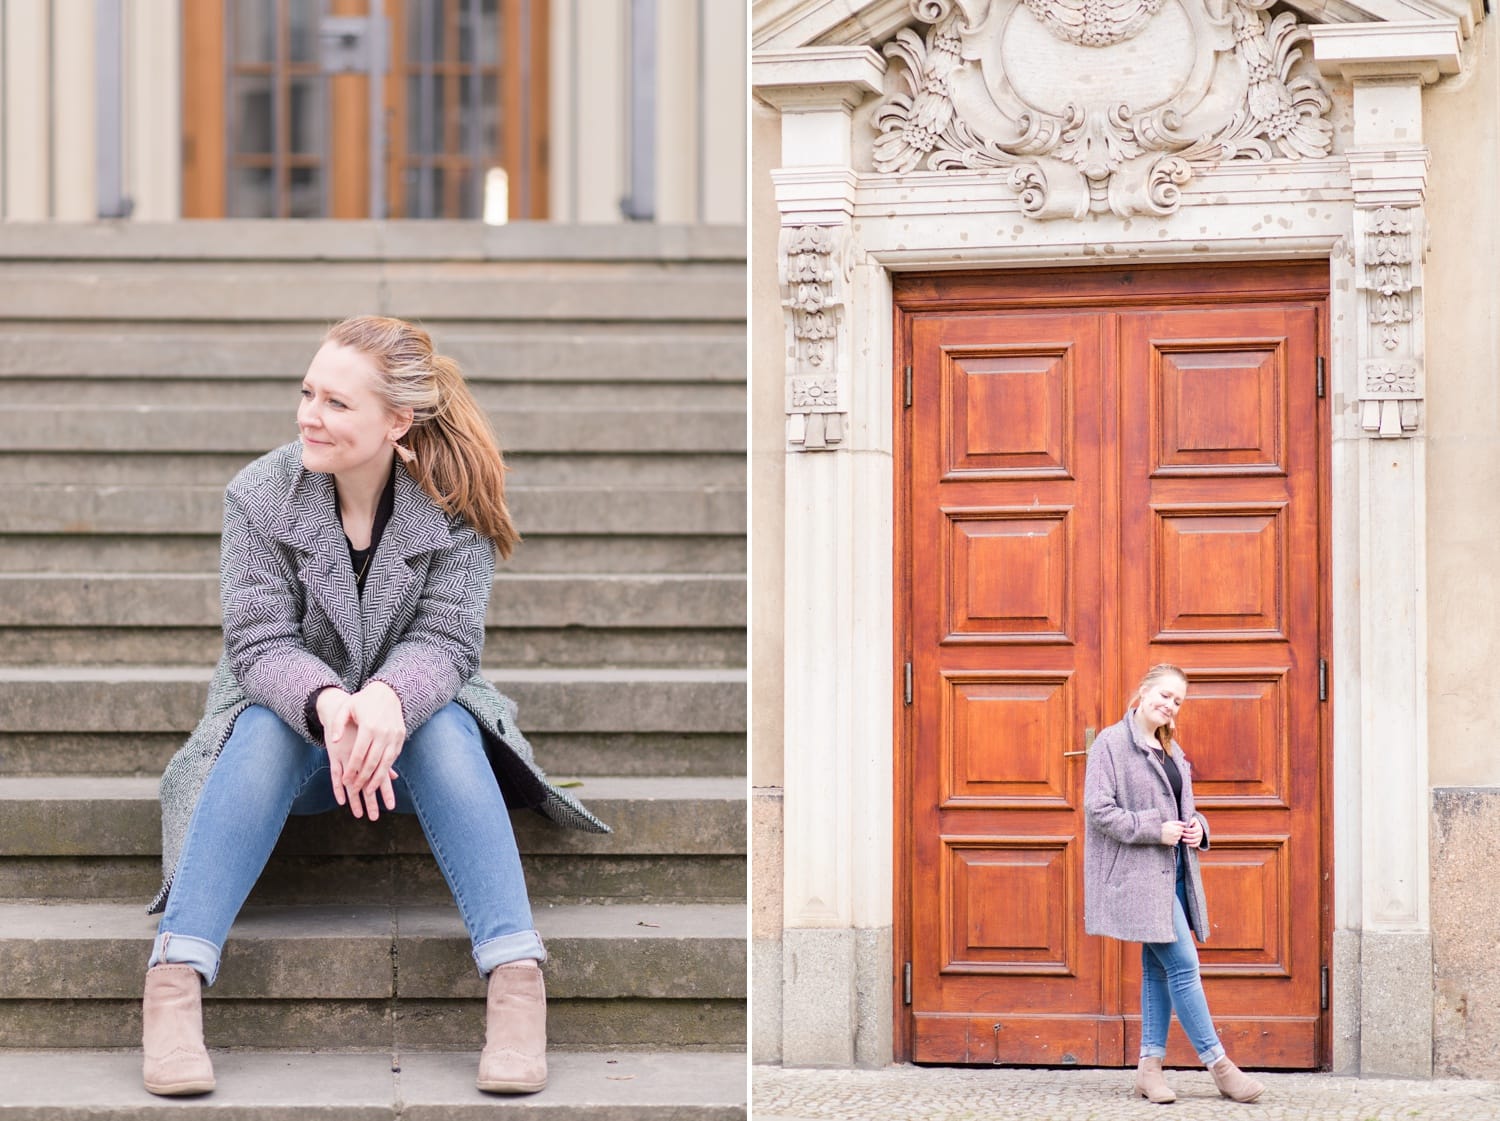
[1101, 471]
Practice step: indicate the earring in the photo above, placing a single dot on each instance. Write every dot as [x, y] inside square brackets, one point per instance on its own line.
[408, 457]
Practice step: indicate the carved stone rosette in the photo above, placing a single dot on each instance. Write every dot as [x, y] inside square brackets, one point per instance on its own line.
[1387, 265]
[814, 280]
[1099, 105]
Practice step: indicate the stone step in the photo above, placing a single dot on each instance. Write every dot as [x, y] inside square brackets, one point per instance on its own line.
[369, 976]
[400, 1086]
[540, 552]
[91, 837]
[102, 508]
[113, 699]
[396, 240]
[280, 391]
[253, 429]
[214, 291]
[560, 648]
[486, 350]
[534, 619]
[158, 599]
[552, 469]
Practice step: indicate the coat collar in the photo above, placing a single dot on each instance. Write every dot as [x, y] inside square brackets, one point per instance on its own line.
[1144, 745]
[310, 525]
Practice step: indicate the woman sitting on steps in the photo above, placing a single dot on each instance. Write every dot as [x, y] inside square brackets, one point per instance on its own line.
[356, 567]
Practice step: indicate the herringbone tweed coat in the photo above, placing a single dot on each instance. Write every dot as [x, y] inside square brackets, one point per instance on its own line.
[294, 622]
[1129, 876]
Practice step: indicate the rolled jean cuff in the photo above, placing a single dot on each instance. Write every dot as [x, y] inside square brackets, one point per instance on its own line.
[183, 949]
[1209, 1058]
[519, 946]
[1150, 1052]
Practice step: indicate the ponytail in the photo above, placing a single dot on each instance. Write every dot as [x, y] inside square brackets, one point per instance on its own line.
[450, 449]
[457, 460]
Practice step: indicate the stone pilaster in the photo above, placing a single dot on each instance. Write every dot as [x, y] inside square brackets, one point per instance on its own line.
[1387, 66]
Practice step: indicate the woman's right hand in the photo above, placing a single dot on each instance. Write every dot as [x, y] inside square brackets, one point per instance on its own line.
[1171, 832]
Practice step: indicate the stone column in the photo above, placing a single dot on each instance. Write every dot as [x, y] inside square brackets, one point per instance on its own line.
[836, 794]
[1390, 948]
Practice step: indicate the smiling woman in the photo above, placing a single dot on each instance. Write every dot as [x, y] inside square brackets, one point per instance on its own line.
[356, 569]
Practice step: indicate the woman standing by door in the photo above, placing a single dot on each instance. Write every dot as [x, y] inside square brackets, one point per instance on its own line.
[356, 566]
[1141, 878]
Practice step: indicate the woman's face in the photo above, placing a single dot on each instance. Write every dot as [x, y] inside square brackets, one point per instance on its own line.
[344, 424]
[1160, 701]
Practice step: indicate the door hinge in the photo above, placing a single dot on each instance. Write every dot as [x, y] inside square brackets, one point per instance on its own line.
[906, 691]
[1323, 989]
[906, 983]
[1322, 377]
[908, 387]
[1322, 679]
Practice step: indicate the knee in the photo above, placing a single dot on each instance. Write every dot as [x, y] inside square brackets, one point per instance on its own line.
[260, 732]
[450, 724]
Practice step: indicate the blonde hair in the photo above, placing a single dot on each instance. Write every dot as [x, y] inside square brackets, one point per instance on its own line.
[1164, 734]
[452, 454]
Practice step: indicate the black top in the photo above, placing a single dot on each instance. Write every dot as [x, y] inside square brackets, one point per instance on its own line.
[360, 561]
[1174, 776]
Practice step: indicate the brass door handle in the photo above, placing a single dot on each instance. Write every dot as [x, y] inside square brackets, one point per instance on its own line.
[1088, 742]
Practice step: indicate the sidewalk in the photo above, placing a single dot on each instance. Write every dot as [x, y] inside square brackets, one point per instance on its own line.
[908, 1093]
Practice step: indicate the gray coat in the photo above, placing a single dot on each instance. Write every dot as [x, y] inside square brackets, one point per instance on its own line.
[1129, 876]
[294, 622]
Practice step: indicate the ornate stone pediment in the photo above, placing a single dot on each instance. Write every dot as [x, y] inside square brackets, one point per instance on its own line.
[1098, 105]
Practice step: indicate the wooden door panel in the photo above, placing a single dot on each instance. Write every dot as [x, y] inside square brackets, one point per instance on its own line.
[1007, 579]
[1224, 497]
[1006, 410]
[1092, 489]
[1221, 572]
[1003, 736]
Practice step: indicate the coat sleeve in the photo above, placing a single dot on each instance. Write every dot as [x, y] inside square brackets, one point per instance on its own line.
[261, 595]
[439, 650]
[1203, 821]
[1101, 802]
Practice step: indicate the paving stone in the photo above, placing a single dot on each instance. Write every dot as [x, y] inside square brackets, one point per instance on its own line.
[914, 1093]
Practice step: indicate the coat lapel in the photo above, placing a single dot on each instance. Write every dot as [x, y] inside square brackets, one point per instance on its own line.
[312, 529]
[417, 528]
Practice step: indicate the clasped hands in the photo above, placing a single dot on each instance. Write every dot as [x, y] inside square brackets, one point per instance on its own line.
[364, 733]
[1175, 831]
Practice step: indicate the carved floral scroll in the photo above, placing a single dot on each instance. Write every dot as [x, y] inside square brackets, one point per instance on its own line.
[1099, 105]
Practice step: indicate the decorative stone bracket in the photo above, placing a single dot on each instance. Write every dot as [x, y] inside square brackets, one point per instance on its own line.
[814, 270]
[1387, 268]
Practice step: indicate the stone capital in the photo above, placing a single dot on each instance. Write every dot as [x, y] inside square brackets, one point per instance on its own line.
[1401, 51]
[816, 78]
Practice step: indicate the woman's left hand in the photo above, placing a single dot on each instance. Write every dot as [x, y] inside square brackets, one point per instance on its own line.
[1192, 832]
[380, 734]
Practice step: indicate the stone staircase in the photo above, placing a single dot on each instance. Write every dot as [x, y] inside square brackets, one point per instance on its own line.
[140, 367]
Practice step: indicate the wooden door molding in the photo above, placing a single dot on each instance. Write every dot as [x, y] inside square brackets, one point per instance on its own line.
[1183, 434]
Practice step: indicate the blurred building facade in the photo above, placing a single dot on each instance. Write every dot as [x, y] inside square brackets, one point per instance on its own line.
[562, 110]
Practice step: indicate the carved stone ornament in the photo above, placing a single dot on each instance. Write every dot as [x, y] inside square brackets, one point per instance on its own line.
[1388, 265]
[813, 289]
[1388, 269]
[1099, 105]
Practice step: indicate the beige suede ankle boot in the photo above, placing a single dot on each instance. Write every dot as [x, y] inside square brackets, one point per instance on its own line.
[1234, 1083]
[1149, 1082]
[514, 1059]
[175, 1060]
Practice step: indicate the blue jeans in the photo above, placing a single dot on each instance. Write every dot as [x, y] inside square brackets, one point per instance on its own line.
[1170, 982]
[267, 771]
